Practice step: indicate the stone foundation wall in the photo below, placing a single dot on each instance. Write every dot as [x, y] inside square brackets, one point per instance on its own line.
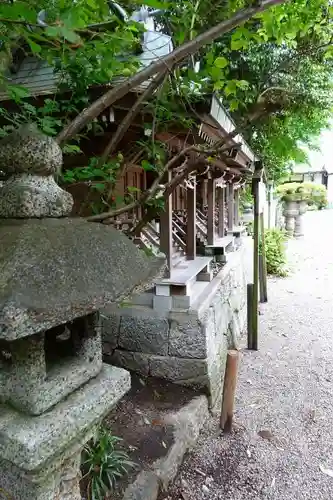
[189, 346]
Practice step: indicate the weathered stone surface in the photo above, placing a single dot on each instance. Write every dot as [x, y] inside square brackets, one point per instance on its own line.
[133, 361]
[58, 481]
[30, 196]
[27, 150]
[187, 338]
[145, 487]
[198, 338]
[30, 442]
[110, 329]
[187, 424]
[69, 483]
[223, 315]
[179, 370]
[32, 159]
[42, 281]
[31, 385]
[140, 334]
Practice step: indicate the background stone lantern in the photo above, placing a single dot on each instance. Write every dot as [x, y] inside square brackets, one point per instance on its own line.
[55, 274]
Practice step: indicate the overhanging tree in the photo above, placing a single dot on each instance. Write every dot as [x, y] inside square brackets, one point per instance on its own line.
[73, 40]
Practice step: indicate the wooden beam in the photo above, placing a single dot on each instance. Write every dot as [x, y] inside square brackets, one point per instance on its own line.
[166, 229]
[230, 195]
[191, 237]
[229, 389]
[221, 209]
[210, 210]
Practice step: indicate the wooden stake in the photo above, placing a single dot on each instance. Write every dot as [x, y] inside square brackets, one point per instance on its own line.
[255, 299]
[262, 263]
[249, 315]
[229, 388]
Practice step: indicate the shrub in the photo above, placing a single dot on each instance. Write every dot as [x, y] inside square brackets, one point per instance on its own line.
[312, 193]
[103, 464]
[275, 248]
[317, 194]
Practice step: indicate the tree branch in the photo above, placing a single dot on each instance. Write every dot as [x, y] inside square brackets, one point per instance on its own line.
[172, 59]
[185, 169]
[20, 22]
[132, 113]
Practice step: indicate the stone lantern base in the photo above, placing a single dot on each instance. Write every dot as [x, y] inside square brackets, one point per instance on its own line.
[40, 455]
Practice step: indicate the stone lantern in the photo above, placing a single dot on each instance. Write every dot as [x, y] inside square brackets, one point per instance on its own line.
[56, 274]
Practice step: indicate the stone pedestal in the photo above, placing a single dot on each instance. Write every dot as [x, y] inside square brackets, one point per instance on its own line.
[40, 455]
[187, 346]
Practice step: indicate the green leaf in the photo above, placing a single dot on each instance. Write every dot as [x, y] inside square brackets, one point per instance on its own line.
[242, 84]
[234, 105]
[35, 47]
[156, 4]
[148, 167]
[237, 44]
[230, 88]
[70, 35]
[221, 62]
[17, 92]
[99, 186]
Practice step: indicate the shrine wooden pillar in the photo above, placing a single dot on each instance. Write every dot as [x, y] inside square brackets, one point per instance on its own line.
[236, 207]
[221, 211]
[203, 195]
[210, 210]
[191, 237]
[230, 194]
[166, 229]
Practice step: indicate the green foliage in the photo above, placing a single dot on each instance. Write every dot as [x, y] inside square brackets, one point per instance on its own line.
[273, 73]
[275, 248]
[93, 172]
[103, 464]
[312, 193]
[246, 197]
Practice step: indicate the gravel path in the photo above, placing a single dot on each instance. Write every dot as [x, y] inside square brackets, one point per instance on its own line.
[284, 390]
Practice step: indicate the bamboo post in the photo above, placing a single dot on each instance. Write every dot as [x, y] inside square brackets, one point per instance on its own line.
[229, 389]
[249, 316]
[262, 263]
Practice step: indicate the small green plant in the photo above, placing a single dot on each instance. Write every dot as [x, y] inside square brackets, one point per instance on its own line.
[275, 248]
[103, 464]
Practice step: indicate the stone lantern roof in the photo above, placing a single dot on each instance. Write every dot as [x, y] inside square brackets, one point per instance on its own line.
[54, 268]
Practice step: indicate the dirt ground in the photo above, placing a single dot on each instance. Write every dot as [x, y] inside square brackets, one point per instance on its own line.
[282, 445]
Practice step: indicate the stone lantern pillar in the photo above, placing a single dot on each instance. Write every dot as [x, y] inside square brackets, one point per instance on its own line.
[290, 212]
[56, 274]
